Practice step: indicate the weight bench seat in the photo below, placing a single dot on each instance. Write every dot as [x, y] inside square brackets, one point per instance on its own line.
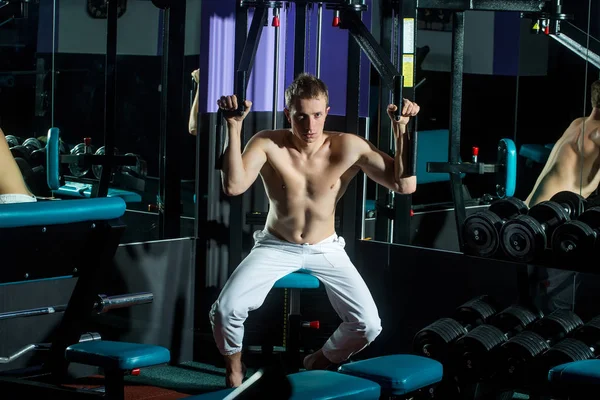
[397, 374]
[536, 152]
[121, 356]
[585, 372]
[318, 385]
[84, 190]
[60, 212]
[297, 280]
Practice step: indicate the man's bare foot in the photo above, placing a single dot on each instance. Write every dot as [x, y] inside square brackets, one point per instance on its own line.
[235, 370]
[234, 379]
[316, 360]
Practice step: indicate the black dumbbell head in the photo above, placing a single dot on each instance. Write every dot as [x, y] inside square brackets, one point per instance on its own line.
[508, 207]
[573, 203]
[557, 325]
[573, 239]
[435, 339]
[480, 233]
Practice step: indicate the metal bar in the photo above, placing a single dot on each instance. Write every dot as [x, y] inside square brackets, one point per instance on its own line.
[248, 54]
[350, 211]
[485, 5]
[276, 71]
[33, 312]
[110, 91]
[107, 303]
[319, 40]
[579, 50]
[300, 38]
[380, 61]
[385, 19]
[456, 99]
[236, 216]
[406, 12]
[173, 106]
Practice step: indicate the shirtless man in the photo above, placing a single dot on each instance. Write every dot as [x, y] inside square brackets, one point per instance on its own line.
[12, 185]
[305, 171]
[565, 166]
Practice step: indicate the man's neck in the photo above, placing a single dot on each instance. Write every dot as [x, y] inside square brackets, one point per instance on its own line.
[595, 114]
[307, 149]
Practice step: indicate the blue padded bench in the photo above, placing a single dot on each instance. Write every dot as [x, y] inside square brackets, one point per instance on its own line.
[575, 379]
[61, 212]
[536, 153]
[398, 375]
[116, 359]
[317, 385]
[83, 190]
[433, 147]
[294, 282]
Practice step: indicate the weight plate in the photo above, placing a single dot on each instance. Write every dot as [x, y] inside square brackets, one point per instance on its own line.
[77, 170]
[481, 233]
[573, 239]
[519, 350]
[550, 214]
[556, 325]
[565, 351]
[471, 352]
[12, 141]
[97, 169]
[572, 202]
[508, 207]
[514, 318]
[522, 238]
[591, 217]
[434, 340]
[475, 311]
[32, 144]
[139, 170]
[589, 333]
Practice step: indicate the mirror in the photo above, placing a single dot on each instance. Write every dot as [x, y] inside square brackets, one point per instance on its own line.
[134, 102]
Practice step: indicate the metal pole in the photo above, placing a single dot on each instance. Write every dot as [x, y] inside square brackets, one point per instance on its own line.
[319, 29]
[276, 72]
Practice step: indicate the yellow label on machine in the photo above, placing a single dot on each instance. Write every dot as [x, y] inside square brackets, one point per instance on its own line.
[408, 70]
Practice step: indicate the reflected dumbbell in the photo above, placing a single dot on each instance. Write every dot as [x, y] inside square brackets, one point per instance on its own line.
[13, 141]
[526, 237]
[79, 170]
[25, 150]
[472, 357]
[139, 170]
[435, 340]
[482, 229]
[97, 169]
[516, 355]
[578, 239]
[38, 157]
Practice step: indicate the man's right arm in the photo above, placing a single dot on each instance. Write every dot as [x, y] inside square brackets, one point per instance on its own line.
[240, 170]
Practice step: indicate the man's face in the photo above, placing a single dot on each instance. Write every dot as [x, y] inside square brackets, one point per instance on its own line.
[307, 118]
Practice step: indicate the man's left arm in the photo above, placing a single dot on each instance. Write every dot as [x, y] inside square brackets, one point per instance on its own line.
[383, 169]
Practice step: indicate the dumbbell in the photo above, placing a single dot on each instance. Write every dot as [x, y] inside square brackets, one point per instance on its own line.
[436, 339]
[13, 140]
[573, 203]
[516, 355]
[86, 147]
[578, 239]
[24, 150]
[582, 344]
[97, 169]
[526, 237]
[472, 356]
[482, 229]
[38, 157]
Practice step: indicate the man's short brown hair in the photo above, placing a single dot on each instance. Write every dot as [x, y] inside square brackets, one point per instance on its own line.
[596, 94]
[305, 86]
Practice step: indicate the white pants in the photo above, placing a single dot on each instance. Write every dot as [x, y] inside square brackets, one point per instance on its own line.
[16, 198]
[271, 259]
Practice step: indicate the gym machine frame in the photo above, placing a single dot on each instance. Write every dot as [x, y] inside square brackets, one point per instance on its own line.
[349, 12]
